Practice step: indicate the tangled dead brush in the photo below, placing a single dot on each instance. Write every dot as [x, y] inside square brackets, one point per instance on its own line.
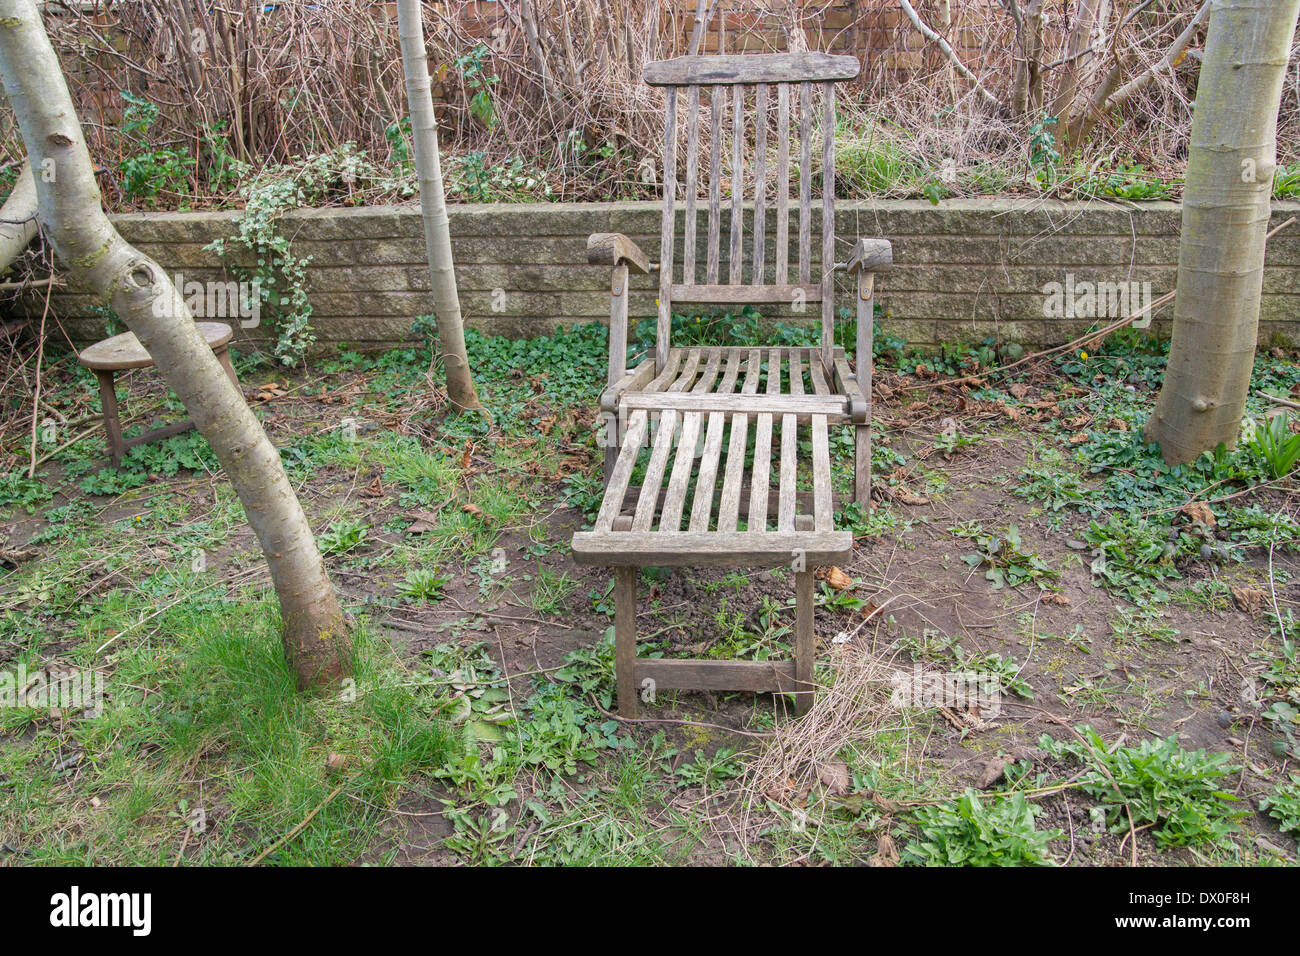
[801, 766]
[554, 85]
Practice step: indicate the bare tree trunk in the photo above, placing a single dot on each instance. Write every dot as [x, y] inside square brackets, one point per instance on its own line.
[314, 631]
[1109, 99]
[1026, 79]
[1231, 158]
[433, 205]
[18, 218]
[1089, 18]
[943, 11]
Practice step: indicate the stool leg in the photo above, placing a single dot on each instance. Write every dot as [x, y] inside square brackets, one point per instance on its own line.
[112, 423]
[224, 358]
[625, 639]
[805, 648]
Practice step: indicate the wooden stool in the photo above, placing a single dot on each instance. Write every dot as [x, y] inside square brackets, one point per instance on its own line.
[123, 352]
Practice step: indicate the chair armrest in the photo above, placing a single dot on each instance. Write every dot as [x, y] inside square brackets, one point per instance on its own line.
[871, 255]
[632, 381]
[613, 248]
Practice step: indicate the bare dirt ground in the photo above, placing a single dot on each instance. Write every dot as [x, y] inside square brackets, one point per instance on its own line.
[1182, 654]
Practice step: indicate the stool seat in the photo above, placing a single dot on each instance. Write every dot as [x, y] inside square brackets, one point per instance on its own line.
[124, 351]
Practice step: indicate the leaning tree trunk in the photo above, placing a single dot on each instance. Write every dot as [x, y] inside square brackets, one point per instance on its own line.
[433, 206]
[314, 631]
[18, 218]
[1232, 154]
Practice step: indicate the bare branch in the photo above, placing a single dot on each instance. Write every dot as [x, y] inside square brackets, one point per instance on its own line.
[948, 51]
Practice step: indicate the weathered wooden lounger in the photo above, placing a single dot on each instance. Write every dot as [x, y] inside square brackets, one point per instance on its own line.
[707, 496]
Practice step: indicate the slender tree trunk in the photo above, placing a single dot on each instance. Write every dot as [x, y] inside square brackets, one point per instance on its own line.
[1232, 155]
[1089, 20]
[18, 218]
[314, 631]
[433, 205]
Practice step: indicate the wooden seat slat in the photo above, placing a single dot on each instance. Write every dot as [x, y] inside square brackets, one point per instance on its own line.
[761, 480]
[684, 462]
[729, 503]
[790, 451]
[702, 504]
[663, 443]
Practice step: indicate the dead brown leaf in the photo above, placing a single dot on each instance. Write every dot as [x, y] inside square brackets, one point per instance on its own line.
[835, 577]
[424, 521]
[886, 852]
[993, 771]
[1200, 512]
[834, 775]
[903, 496]
[1249, 600]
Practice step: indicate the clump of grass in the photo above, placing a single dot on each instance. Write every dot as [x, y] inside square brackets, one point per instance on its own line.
[205, 750]
[1176, 791]
[996, 830]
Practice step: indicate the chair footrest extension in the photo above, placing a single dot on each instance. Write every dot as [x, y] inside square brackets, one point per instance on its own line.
[759, 677]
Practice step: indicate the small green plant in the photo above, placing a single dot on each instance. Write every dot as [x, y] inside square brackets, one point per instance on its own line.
[1043, 154]
[17, 489]
[1138, 625]
[1286, 182]
[562, 733]
[1132, 554]
[1133, 183]
[710, 772]
[1283, 805]
[1275, 444]
[479, 84]
[1049, 479]
[424, 584]
[551, 590]
[1007, 562]
[1006, 671]
[342, 536]
[398, 136]
[1176, 790]
[145, 173]
[992, 830]
[477, 179]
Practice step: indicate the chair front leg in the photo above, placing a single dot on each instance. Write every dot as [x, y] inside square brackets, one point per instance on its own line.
[866, 312]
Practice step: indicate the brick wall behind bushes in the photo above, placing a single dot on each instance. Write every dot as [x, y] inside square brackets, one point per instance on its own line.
[963, 270]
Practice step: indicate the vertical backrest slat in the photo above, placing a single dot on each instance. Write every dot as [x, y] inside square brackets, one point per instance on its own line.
[828, 222]
[760, 182]
[805, 182]
[667, 233]
[734, 270]
[692, 180]
[717, 99]
[782, 184]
